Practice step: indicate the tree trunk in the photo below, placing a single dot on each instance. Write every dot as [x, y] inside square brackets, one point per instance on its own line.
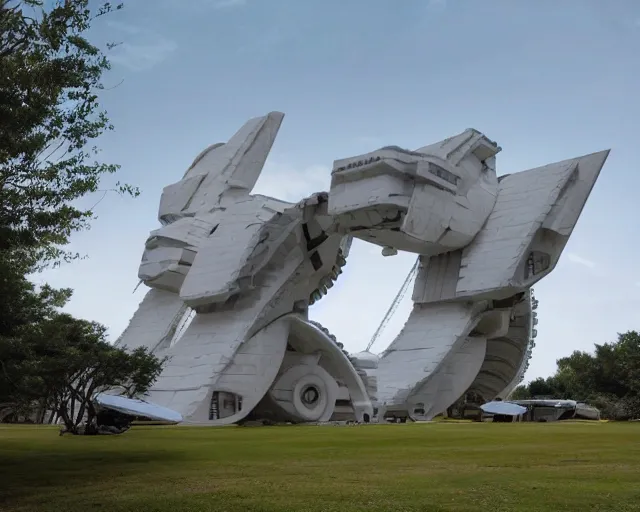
[42, 411]
[69, 424]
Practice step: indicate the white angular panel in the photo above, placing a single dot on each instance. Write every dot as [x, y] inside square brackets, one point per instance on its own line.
[218, 266]
[431, 334]
[452, 378]
[524, 200]
[154, 322]
[232, 168]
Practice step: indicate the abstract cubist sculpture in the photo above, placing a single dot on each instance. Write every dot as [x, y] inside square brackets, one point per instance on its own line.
[232, 275]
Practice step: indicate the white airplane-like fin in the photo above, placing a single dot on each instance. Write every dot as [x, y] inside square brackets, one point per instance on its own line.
[223, 168]
[238, 163]
[523, 238]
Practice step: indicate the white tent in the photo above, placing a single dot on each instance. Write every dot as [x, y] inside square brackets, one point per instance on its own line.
[504, 408]
[134, 407]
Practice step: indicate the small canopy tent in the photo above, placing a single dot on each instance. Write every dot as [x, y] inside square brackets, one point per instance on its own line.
[138, 408]
[503, 408]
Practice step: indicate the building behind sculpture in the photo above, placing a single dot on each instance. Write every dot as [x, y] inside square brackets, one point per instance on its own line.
[557, 410]
[232, 275]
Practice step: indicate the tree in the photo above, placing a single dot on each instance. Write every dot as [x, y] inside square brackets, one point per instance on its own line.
[20, 302]
[50, 118]
[575, 376]
[541, 388]
[520, 393]
[50, 76]
[62, 363]
[22, 307]
[629, 351]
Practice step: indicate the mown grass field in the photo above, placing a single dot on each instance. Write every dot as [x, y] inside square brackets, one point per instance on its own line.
[467, 466]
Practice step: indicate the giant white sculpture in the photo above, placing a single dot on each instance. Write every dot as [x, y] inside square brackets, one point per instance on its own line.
[244, 269]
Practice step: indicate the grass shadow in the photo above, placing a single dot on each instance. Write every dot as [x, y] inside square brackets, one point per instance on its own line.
[40, 463]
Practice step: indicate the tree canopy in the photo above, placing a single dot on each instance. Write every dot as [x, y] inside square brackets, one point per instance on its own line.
[61, 363]
[50, 77]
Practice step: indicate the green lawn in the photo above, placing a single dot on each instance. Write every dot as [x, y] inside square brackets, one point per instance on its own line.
[467, 466]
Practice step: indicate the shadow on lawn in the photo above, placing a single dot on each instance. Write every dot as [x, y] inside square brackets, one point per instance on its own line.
[34, 468]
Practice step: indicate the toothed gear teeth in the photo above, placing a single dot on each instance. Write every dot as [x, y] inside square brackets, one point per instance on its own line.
[333, 338]
[328, 281]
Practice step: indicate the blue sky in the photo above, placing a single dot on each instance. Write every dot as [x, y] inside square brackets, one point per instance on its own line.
[548, 80]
